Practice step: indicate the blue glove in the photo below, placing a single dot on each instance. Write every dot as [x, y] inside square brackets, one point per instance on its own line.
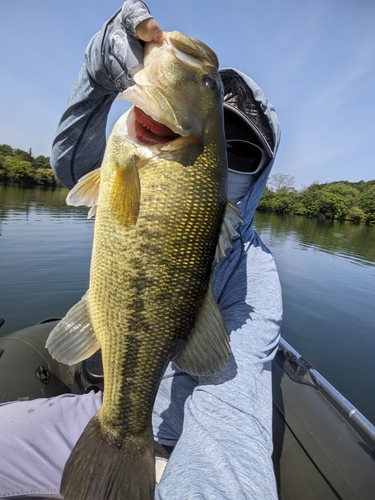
[115, 54]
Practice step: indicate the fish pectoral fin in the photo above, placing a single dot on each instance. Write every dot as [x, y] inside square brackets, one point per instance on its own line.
[73, 338]
[228, 230]
[207, 348]
[86, 192]
[126, 194]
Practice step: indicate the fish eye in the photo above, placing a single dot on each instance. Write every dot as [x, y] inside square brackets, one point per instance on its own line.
[211, 82]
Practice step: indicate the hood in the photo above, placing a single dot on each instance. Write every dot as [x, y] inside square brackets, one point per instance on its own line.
[244, 97]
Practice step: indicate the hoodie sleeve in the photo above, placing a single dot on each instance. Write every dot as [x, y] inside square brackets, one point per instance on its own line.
[112, 58]
[225, 447]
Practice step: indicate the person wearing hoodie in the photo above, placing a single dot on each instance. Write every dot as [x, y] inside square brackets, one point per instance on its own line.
[219, 427]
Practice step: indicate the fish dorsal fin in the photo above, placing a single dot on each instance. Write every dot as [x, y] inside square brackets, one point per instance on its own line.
[73, 338]
[228, 230]
[207, 348]
[86, 192]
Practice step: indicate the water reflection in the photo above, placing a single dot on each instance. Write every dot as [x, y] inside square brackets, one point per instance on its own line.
[17, 201]
[45, 249]
[351, 241]
[328, 301]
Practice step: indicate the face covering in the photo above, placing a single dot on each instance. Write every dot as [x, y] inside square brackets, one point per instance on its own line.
[239, 184]
[245, 161]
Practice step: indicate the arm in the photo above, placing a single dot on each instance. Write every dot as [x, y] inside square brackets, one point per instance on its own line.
[225, 447]
[112, 58]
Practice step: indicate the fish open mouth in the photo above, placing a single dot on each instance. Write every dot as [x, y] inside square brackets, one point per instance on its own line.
[148, 131]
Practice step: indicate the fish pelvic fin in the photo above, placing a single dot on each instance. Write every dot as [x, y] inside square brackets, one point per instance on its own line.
[86, 192]
[73, 338]
[99, 468]
[228, 230]
[207, 348]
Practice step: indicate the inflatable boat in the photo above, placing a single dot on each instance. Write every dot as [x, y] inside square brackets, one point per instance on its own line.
[324, 448]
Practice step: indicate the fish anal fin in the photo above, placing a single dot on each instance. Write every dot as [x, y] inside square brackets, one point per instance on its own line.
[73, 338]
[207, 348]
[228, 230]
[86, 192]
[126, 193]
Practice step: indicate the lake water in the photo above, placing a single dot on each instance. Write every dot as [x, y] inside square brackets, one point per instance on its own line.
[327, 272]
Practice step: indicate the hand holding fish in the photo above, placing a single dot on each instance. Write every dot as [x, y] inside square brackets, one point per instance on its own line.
[121, 54]
[149, 31]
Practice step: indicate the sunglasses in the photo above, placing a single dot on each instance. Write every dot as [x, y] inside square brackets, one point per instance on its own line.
[244, 156]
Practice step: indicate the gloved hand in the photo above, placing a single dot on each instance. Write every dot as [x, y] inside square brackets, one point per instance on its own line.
[115, 53]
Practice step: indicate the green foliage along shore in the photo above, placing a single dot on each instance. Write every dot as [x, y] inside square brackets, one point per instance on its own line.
[343, 200]
[18, 166]
[353, 201]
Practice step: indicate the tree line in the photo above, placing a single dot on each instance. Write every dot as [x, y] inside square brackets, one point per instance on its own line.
[342, 200]
[21, 167]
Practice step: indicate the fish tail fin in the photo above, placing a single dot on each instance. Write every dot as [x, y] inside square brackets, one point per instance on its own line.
[99, 469]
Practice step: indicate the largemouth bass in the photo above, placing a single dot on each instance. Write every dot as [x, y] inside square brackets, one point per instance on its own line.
[160, 199]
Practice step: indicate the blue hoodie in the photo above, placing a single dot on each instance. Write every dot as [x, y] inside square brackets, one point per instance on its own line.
[221, 426]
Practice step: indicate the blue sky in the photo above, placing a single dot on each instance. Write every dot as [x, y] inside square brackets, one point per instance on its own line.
[314, 59]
